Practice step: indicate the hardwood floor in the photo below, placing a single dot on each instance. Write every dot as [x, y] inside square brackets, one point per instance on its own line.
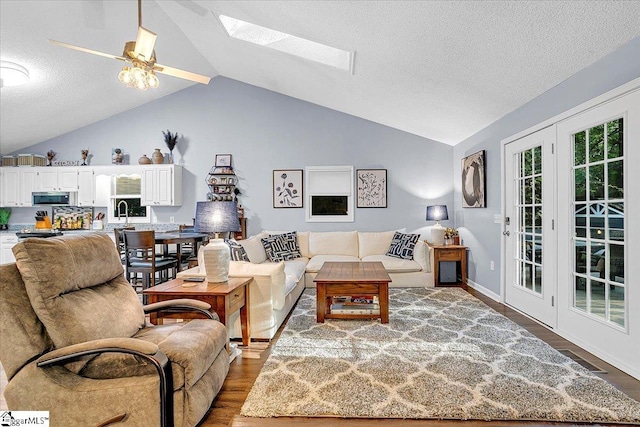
[243, 371]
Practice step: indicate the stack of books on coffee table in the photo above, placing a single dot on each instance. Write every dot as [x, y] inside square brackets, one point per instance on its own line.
[356, 304]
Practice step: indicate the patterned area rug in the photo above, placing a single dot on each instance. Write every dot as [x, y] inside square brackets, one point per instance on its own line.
[444, 354]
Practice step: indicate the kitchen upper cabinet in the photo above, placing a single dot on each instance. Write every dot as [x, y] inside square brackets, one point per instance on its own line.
[58, 179]
[162, 185]
[17, 186]
[86, 187]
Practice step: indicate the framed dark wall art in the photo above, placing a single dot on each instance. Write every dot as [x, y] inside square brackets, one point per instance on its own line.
[287, 188]
[372, 188]
[474, 181]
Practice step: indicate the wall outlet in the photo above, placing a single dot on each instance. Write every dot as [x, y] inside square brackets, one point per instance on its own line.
[172, 219]
[493, 266]
[155, 219]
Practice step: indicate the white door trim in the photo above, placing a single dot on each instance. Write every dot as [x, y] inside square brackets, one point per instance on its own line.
[605, 97]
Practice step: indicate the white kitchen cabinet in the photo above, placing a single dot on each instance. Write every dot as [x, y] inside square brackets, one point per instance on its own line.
[86, 187]
[18, 184]
[161, 185]
[7, 242]
[58, 179]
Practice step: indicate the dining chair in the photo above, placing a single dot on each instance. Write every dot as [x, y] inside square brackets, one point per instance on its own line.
[119, 239]
[140, 258]
[188, 256]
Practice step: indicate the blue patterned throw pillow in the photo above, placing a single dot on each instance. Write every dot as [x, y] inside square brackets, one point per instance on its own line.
[402, 245]
[236, 250]
[282, 247]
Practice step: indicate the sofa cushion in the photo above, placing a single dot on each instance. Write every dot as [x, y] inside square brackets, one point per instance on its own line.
[191, 346]
[394, 265]
[333, 243]
[281, 247]
[316, 262]
[20, 325]
[294, 270]
[74, 278]
[236, 250]
[254, 248]
[371, 243]
[421, 255]
[402, 245]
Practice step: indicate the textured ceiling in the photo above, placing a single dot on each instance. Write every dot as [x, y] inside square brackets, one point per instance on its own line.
[441, 70]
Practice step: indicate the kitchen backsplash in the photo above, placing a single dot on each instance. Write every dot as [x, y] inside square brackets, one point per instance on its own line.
[72, 218]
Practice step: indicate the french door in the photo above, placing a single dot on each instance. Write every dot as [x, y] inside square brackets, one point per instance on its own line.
[598, 218]
[530, 244]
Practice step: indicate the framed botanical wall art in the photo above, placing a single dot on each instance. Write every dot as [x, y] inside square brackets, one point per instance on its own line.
[474, 181]
[287, 188]
[372, 188]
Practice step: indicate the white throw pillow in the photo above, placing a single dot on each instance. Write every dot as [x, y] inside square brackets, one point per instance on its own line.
[253, 247]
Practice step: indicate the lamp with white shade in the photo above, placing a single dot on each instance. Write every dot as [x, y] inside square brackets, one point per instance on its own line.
[437, 213]
[216, 217]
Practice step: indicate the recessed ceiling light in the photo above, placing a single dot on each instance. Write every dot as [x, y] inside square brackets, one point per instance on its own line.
[12, 74]
[287, 43]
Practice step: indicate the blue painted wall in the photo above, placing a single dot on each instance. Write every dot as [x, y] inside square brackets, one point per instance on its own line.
[263, 131]
[478, 230]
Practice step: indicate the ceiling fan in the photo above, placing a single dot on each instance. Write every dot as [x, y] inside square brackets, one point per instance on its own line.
[140, 54]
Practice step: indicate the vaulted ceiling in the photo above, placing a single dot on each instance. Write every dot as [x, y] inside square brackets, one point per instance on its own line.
[439, 69]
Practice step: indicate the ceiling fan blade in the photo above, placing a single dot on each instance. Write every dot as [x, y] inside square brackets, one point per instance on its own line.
[145, 42]
[187, 75]
[84, 49]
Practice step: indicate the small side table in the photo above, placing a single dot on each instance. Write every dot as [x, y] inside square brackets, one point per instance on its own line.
[457, 253]
[225, 299]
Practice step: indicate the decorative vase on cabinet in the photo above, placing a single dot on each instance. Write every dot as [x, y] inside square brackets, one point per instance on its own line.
[157, 157]
[144, 160]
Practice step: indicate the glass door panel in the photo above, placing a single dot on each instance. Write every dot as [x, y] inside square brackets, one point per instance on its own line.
[598, 188]
[530, 240]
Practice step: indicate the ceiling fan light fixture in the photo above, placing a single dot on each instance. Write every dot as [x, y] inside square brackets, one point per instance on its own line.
[152, 80]
[125, 75]
[12, 74]
[138, 77]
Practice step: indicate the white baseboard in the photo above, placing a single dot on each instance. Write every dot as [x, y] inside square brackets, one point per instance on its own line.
[484, 291]
[598, 352]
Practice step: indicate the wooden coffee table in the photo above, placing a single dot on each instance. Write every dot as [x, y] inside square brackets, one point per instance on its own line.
[225, 299]
[348, 279]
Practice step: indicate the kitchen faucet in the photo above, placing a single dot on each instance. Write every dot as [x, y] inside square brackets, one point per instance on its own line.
[126, 212]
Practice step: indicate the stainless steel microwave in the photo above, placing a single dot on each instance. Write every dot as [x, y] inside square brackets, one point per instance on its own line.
[54, 198]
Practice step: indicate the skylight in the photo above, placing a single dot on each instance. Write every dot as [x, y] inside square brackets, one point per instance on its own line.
[287, 43]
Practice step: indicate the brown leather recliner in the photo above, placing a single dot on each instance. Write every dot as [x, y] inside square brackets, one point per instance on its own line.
[73, 341]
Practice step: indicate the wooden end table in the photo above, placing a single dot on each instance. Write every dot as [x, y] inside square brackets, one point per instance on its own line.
[225, 299]
[457, 253]
[352, 278]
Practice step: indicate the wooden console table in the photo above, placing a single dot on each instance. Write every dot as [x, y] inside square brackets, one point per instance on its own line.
[457, 253]
[225, 299]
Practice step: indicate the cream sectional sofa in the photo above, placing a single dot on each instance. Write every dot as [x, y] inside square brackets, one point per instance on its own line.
[278, 285]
